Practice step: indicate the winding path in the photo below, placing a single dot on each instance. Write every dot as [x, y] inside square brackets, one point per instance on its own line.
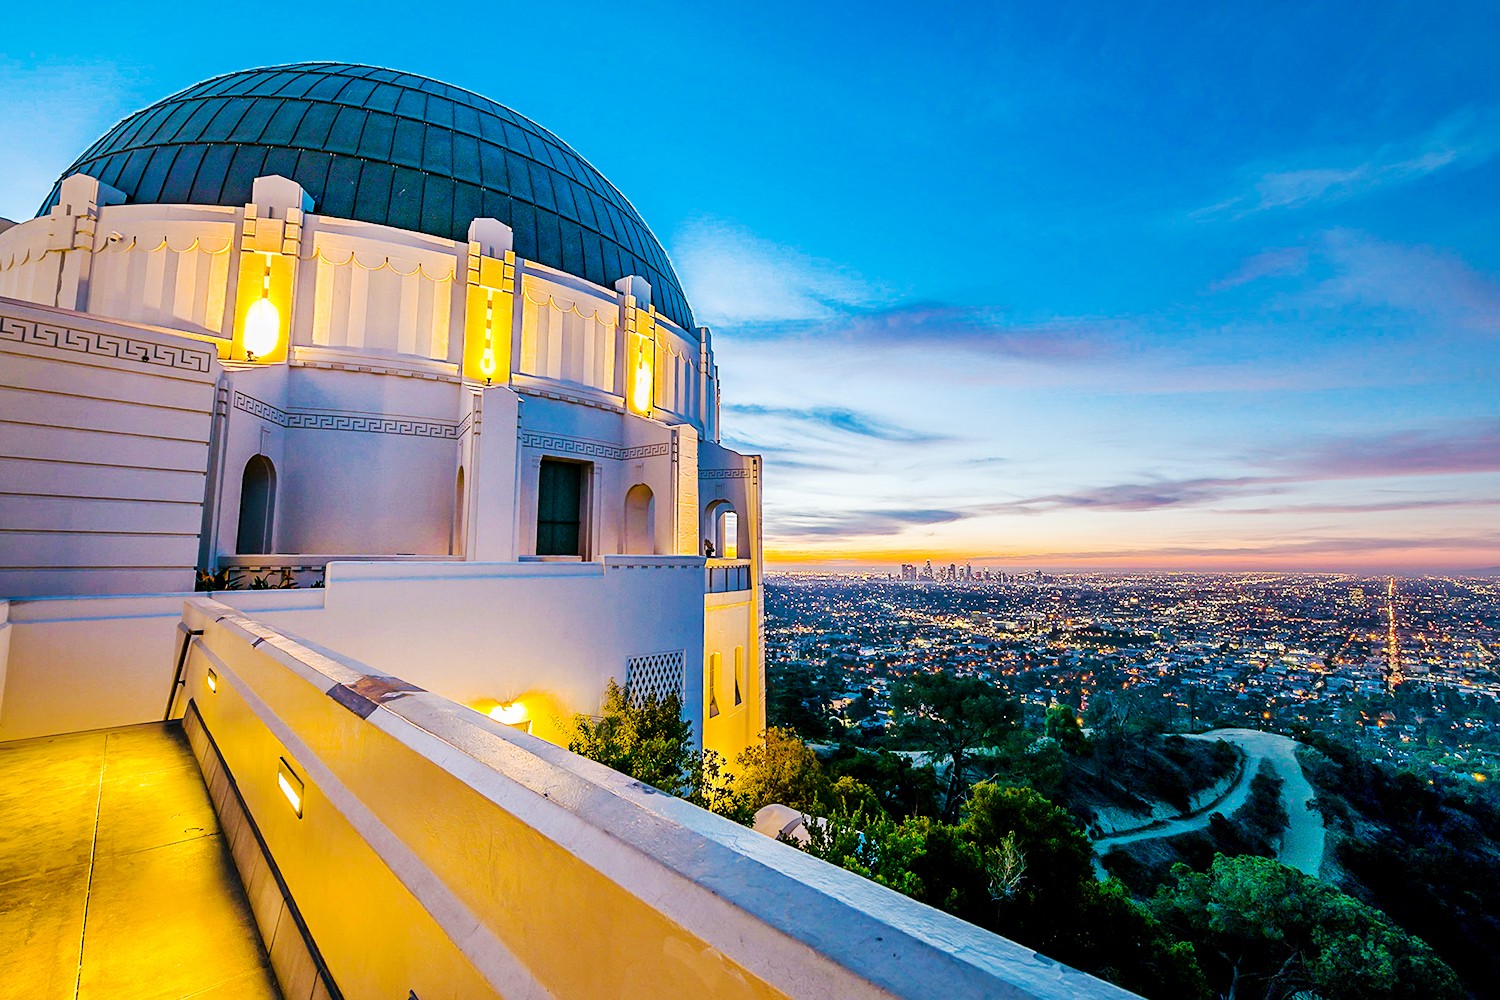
[1301, 842]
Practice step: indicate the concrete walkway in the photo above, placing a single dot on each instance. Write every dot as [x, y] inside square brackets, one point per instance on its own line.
[1301, 843]
[114, 879]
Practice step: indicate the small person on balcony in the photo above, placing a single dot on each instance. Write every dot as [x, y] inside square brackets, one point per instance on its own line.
[708, 548]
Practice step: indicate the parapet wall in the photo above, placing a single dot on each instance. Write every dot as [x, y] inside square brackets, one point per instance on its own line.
[438, 853]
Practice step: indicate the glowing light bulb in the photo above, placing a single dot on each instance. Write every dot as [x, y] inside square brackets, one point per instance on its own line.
[262, 328]
[640, 388]
[511, 713]
[487, 362]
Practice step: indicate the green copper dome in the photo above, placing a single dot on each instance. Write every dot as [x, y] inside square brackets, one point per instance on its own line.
[390, 148]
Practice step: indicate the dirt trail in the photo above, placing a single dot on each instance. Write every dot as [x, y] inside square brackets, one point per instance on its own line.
[1301, 843]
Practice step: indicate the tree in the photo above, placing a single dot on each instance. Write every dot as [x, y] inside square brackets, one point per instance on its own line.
[954, 717]
[1062, 910]
[1268, 931]
[781, 768]
[648, 740]
[1062, 725]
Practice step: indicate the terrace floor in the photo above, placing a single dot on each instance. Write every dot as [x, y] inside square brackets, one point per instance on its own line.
[115, 881]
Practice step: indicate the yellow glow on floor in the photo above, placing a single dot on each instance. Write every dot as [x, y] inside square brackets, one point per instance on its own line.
[115, 881]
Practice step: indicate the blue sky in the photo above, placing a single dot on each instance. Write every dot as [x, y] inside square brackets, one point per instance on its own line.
[1175, 285]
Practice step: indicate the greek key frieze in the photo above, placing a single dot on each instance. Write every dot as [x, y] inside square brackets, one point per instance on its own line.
[333, 421]
[561, 444]
[106, 345]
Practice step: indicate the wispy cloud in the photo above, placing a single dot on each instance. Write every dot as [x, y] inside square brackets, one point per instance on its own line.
[1464, 449]
[1415, 279]
[1142, 496]
[1379, 507]
[839, 419]
[1463, 139]
[734, 277]
[1468, 449]
[853, 523]
[1266, 264]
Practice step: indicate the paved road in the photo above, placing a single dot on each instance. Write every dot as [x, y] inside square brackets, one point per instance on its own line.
[1301, 843]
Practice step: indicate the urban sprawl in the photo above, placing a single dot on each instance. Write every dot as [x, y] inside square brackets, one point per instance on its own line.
[1408, 668]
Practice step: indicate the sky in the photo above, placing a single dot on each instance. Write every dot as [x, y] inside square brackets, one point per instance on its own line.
[1024, 285]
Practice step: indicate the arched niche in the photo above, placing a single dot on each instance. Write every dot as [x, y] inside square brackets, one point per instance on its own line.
[640, 521]
[257, 507]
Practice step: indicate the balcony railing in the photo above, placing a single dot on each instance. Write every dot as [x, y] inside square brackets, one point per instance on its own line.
[725, 576]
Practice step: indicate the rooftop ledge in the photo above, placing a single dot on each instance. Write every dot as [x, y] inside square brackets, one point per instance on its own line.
[541, 872]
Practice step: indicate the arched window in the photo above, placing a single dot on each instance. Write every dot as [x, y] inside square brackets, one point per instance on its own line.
[640, 521]
[721, 530]
[257, 507]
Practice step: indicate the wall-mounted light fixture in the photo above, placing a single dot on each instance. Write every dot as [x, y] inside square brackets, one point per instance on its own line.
[262, 320]
[290, 785]
[213, 680]
[511, 713]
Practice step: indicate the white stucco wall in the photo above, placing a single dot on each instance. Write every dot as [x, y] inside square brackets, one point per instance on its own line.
[104, 444]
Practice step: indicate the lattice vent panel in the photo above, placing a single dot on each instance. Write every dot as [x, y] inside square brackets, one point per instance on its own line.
[654, 676]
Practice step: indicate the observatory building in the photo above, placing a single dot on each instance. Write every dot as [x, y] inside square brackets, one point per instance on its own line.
[355, 433]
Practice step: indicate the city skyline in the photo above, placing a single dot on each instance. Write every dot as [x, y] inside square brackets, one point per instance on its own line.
[1147, 289]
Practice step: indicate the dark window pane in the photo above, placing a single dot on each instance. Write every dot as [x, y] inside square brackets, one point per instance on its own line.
[383, 98]
[268, 85]
[192, 129]
[253, 125]
[437, 152]
[466, 157]
[548, 240]
[228, 116]
[468, 205]
[176, 115]
[312, 174]
[375, 141]
[339, 187]
[248, 164]
[515, 138]
[492, 167]
[283, 124]
[583, 202]
[412, 105]
[343, 137]
[406, 199]
[562, 190]
[210, 181]
[109, 170]
[497, 206]
[327, 88]
[280, 161]
[312, 133]
[613, 269]
[148, 188]
[299, 84]
[492, 129]
[572, 248]
[437, 207]
[520, 176]
[238, 84]
[356, 92]
[407, 150]
[541, 187]
[465, 119]
[523, 221]
[373, 202]
[440, 112]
